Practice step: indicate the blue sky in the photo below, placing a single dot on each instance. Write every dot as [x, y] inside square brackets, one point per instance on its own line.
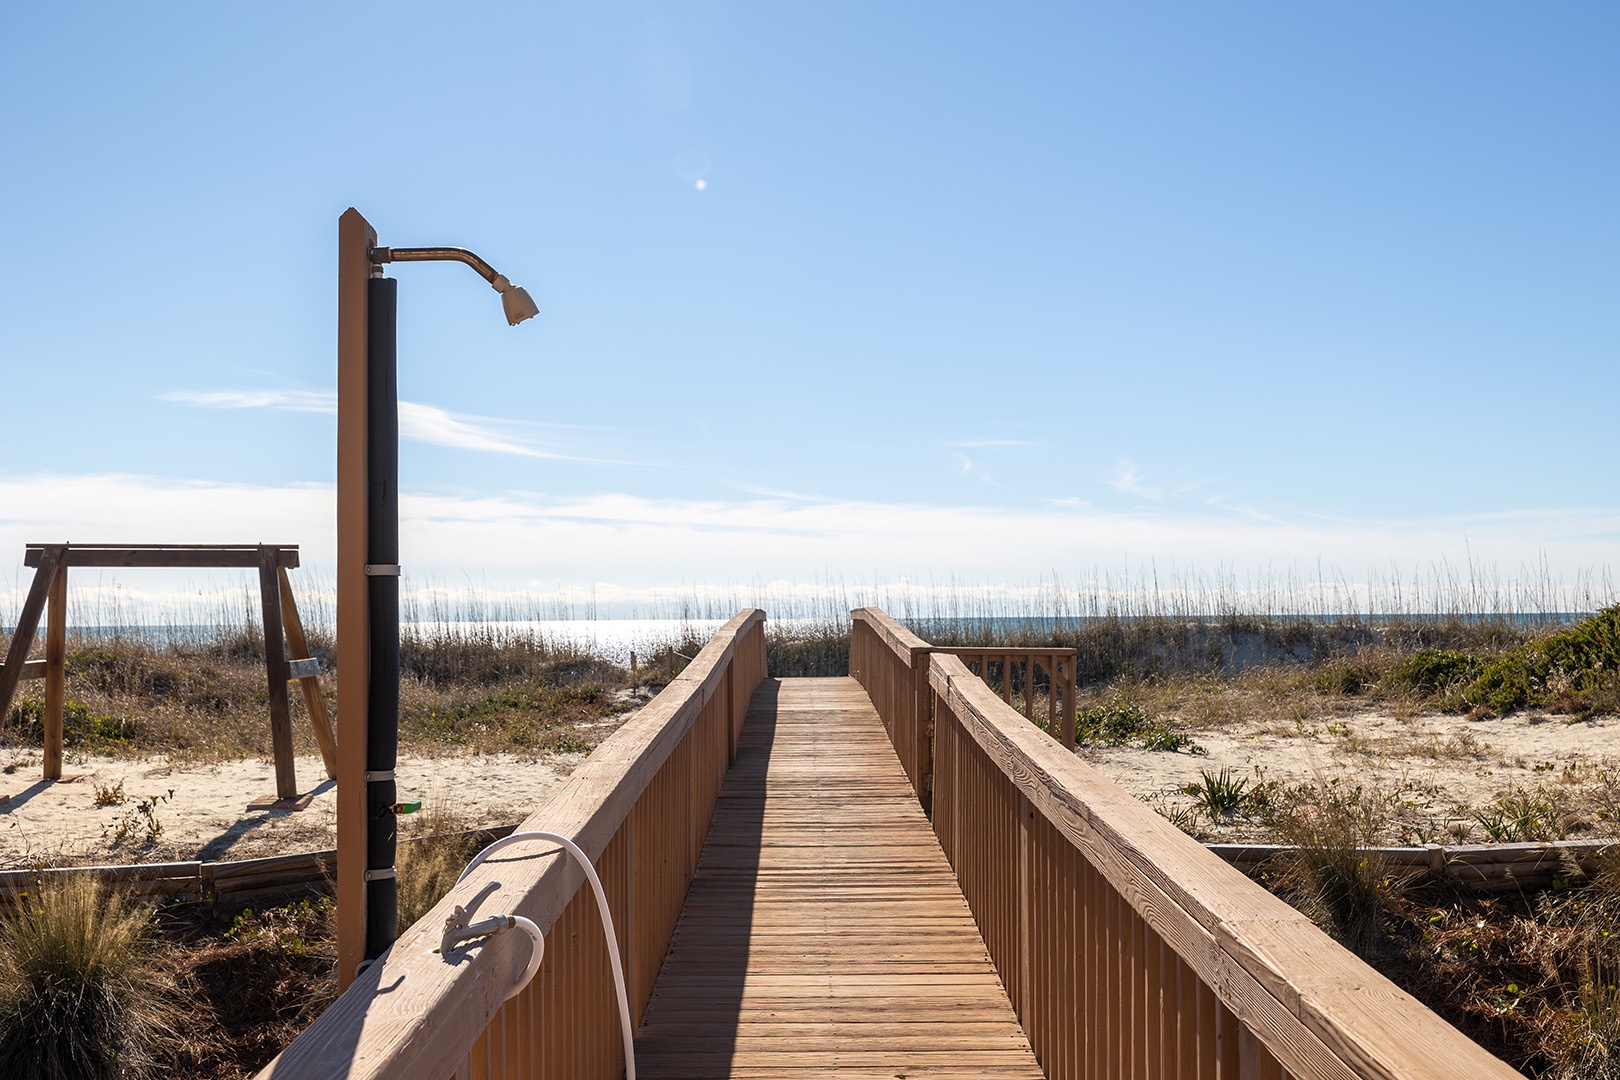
[829, 291]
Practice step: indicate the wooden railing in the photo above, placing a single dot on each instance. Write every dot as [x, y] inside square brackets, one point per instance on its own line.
[891, 664]
[1129, 950]
[639, 806]
[1002, 667]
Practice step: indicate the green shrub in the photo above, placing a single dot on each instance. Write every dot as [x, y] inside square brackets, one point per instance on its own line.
[1582, 657]
[1119, 725]
[81, 727]
[1505, 684]
[1219, 795]
[1348, 679]
[1434, 671]
[1522, 815]
[74, 1003]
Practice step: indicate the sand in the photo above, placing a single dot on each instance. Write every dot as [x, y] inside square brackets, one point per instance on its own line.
[1443, 765]
[1440, 764]
[203, 811]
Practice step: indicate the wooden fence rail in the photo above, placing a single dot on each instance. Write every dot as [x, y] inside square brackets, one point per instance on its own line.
[1477, 867]
[639, 806]
[891, 663]
[1127, 948]
[230, 881]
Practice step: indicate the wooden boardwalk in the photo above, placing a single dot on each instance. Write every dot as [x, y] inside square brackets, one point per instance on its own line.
[824, 932]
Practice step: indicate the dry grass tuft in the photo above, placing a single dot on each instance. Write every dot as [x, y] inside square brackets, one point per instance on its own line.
[76, 1002]
[1332, 877]
[429, 865]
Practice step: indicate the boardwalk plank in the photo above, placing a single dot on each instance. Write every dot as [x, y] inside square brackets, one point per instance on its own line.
[825, 933]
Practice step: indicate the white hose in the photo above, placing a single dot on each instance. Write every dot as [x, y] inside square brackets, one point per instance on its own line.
[536, 954]
[533, 931]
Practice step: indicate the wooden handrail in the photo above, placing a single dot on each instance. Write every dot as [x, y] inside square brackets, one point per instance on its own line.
[891, 664]
[639, 806]
[1160, 952]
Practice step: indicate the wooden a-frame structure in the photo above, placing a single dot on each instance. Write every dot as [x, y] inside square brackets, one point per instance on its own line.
[49, 588]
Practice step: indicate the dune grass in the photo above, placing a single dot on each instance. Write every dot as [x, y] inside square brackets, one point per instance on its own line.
[429, 866]
[77, 1001]
[207, 700]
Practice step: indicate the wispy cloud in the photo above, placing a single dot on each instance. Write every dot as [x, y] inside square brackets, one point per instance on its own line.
[309, 401]
[968, 467]
[1127, 478]
[418, 422]
[431, 424]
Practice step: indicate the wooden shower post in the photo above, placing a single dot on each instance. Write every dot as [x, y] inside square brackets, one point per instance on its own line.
[355, 239]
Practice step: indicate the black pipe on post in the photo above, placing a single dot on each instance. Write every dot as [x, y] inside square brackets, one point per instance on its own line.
[382, 586]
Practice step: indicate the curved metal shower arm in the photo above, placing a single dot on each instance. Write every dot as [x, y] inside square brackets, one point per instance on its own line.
[436, 254]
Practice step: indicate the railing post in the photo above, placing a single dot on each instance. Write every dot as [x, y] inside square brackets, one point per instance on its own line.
[27, 625]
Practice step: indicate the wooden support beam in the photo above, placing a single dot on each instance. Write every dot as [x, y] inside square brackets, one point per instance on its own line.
[164, 555]
[275, 667]
[55, 673]
[310, 685]
[28, 625]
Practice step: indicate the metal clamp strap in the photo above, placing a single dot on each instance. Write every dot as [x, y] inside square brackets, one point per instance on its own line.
[380, 875]
[382, 569]
[374, 776]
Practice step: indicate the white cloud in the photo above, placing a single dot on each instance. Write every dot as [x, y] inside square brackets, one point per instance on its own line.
[639, 545]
